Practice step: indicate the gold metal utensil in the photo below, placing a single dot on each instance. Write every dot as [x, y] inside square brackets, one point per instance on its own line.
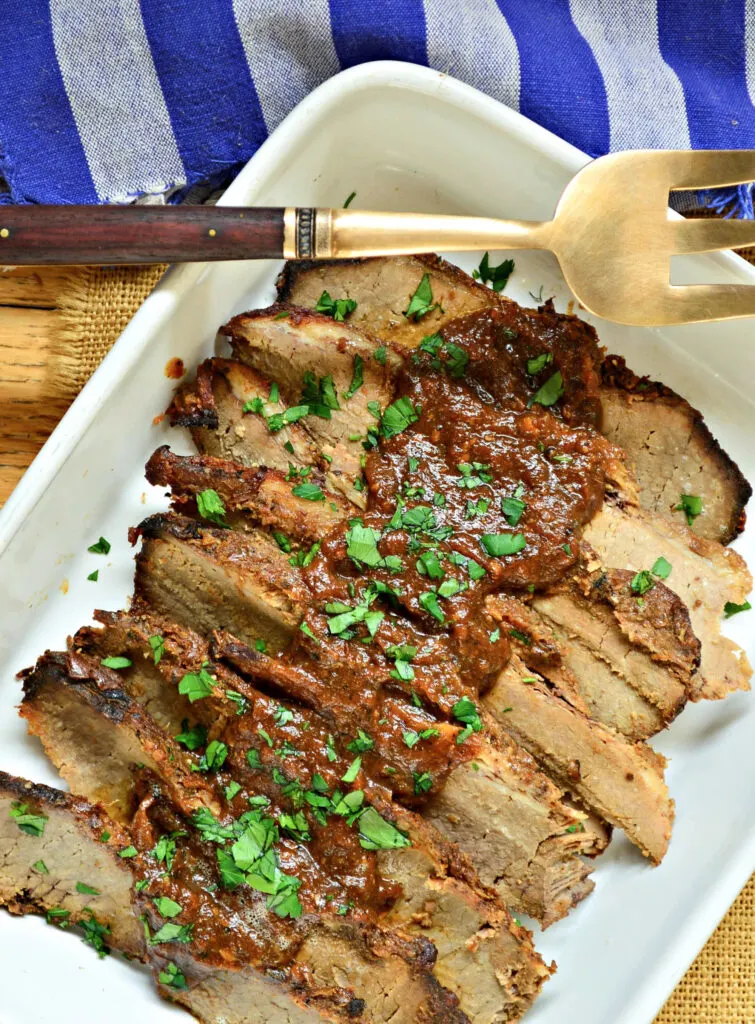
[611, 233]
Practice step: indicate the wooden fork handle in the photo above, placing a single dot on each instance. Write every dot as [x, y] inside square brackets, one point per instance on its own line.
[138, 234]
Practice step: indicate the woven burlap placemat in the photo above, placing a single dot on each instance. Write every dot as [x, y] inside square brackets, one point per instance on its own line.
[95, 306]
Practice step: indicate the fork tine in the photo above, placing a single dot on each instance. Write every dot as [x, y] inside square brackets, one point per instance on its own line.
[708, 168]
[707, 235]
[684, 304]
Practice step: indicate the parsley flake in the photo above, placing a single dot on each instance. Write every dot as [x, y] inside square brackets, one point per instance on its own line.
[210, 506]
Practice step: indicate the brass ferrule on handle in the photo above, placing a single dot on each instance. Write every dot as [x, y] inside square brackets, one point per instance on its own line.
[316, 233]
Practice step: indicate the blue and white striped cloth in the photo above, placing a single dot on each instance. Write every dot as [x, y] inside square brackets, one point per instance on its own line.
[113, 100]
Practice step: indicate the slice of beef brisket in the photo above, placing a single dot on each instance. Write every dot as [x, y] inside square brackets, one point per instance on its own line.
[621, 782]
[382, 289]
[252, 497]
[326, 367]
[211, 578]
[212, 407]
[51, 843]
[673, 452]
[703, 574]
[627, 665]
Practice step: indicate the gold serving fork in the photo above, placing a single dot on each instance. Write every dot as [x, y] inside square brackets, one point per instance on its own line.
[611, 233]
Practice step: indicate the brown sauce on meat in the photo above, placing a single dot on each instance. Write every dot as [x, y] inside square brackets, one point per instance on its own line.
[484, 489]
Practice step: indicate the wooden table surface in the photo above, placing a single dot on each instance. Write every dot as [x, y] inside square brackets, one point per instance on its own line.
[28, 411]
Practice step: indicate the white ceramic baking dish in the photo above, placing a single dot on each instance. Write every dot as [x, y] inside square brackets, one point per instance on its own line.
[405, 138]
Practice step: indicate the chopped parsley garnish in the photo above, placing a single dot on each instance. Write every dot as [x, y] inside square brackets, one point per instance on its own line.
[320, 397]
[237, 698]
[94, 934]
[265, 736]
[282, 541]
[253, 758]
[521, 637]
[379, 355]
[642, 582]
[361, 545]
[421, 303]
[102, 547]
[303, 558]
[209, 826]
[477, 508]
[357, 378]
[274, 395]
[308, 492]
[58, 914]
[214, 757]
[428, 564]
[353, 770]
[495, 635]
[550, 392]
[456, 359]
[31, 824]
[731, 608]
[402, 655]
[539, 363]
[210, 506]
[171, 932]
[86, 890]
[343, 616]
[473, 474]
[116, 661]
[94, 576]
[232, 789]
[691, 505]
[167, 907]
[662, 568]
[193, 738]
[645, 580]
[375, 833]
[307, 631]
[41, 867]
[278, 420]
[465, 711]
[339, 309]
[497, 545]
[283, 315]
[172, 976]
[422, 782]
[352, 195]
[397, 417]
[412, 738]
[196, 685]
[497, 276]
[450, 587]
[157, 646]
[255, 405]
[283, 715]
[165, 849]
[513, 509]
[330, 749]
[128, 852]
[429, 602]
[360, 745]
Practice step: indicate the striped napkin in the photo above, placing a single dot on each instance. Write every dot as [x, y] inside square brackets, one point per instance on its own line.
[119, 100]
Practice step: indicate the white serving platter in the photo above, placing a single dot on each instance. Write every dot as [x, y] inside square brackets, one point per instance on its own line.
[403, 138]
